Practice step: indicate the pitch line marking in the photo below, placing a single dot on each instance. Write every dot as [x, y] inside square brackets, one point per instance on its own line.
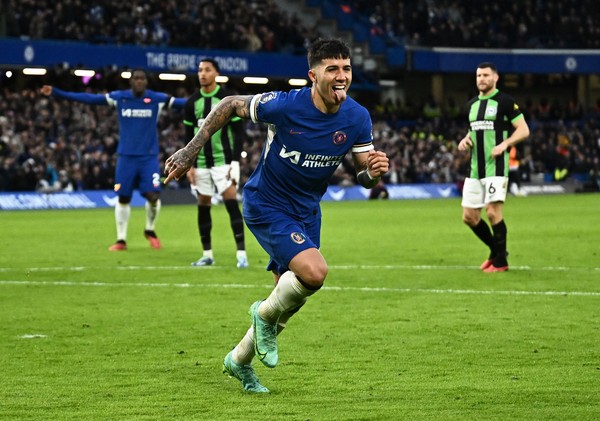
[338, 267]
[330, 288]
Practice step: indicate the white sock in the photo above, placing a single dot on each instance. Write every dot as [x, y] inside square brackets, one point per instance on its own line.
[244, 351]
[283, 319]
[288, 294]
[122, 212]
[240, 253]
[208, 253]
[152, 211]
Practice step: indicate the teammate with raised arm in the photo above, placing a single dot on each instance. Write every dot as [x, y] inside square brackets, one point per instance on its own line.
[496, 123]
[138, 166]
[310, 130]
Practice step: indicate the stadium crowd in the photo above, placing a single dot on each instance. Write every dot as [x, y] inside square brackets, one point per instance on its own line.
[563, 24]
[249, 25]
[48, 144]
[260, 25]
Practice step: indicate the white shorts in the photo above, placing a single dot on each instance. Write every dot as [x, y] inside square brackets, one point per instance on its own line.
[478, 193]
[206, 180]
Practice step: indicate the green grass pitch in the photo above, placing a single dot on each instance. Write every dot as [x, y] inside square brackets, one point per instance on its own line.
[406, 327]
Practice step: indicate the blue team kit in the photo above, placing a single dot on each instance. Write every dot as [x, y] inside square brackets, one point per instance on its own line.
[301, 153]
[138, 165]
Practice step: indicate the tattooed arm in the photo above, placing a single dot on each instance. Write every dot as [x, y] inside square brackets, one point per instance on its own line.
[181, 161]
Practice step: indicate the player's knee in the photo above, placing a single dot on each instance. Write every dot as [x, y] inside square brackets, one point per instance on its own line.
[470, 219]
[494, 213]
[494, 217]
[315, 275]
[152, 196]
[204, 200]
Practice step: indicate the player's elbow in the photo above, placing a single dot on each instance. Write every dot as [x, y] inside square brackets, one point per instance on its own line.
[523, 129]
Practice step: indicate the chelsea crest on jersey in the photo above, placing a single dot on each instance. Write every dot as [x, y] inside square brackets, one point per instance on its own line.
[304, 146]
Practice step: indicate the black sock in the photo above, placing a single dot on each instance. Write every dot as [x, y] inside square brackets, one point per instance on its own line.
[483, 232]
[204, 226]
[237, 222]
[500, 244]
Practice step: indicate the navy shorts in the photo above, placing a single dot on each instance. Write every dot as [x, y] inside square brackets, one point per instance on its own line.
[283, 237]
[137, 171]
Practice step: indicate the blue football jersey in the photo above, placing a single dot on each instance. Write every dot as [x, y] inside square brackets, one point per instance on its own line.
[304, 147]
[138, 117]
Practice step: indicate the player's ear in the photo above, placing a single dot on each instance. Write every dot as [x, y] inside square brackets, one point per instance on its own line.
[312, 76]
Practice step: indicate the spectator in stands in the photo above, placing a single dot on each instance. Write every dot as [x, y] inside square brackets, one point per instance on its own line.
[172, 24]
[547, 24]
[574, 110]
[514, 173]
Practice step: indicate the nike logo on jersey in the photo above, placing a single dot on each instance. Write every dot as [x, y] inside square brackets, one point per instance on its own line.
[292, 131]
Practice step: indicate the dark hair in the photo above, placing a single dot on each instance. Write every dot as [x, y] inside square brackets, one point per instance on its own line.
[486, 65]
[139, 69]
[211, 61]
[323, 49]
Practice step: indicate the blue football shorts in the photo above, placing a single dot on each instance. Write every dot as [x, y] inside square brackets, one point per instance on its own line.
[282, 236]
[137, 171]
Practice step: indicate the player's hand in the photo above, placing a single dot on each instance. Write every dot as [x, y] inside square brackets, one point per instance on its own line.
[178, 165]
[498, 150]
[234, 172]
[377, 163]
[466, 144]
[46, 90]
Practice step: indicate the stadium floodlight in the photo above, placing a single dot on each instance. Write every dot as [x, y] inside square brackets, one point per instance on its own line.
[256, 80]
[34, 71]
[126, 74]
[84, 72]
[298, 82]
[222, 79]
[171, 76]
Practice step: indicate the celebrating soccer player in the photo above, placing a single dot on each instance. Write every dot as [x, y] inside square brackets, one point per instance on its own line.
[310, 132]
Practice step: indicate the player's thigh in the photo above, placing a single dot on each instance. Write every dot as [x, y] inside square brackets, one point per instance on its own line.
[473, 194]
[495, 189]
[282, 238]
[149, 174]
[126, 172]
[203, 183]
[220, 177]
